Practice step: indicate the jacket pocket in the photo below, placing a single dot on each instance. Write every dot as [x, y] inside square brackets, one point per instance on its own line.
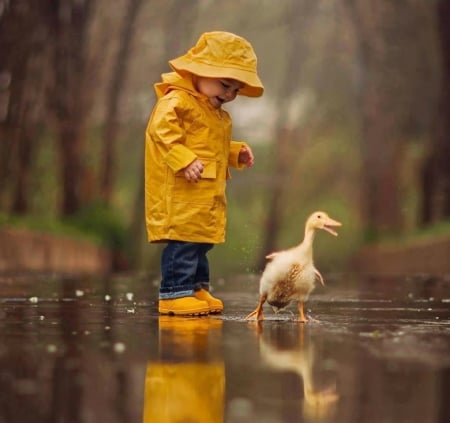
[209, 169]
[201, 192]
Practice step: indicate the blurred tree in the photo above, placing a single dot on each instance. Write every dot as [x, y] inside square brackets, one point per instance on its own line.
[71, 97]
[287, 135]
[23, 68]
[120, 68]
[436, 171]
[393, 66]
[381, 141]
[178, 16]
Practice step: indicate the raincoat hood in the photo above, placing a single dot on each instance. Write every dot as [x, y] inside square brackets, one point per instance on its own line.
[222, 55]
[173, 80]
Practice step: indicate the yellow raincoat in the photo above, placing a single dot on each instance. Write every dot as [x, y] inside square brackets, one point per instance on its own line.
[184, 126]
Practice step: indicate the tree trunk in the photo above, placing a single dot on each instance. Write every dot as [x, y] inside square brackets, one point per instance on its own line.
[27, 147]
[296, 20]
[107, 174]
[71, 99]
[24, 63]
[382, 144]
[436, 171]
[182, 16]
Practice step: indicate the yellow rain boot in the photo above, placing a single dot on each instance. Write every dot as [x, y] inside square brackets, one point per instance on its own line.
[185, 306]
[215, 305]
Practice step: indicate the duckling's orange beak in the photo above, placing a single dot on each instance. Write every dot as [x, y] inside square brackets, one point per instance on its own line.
[330, 223]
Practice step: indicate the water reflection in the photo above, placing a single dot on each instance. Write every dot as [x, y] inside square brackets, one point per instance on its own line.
[186, 383]
[57, 362]
[292, 349]
[378, 354]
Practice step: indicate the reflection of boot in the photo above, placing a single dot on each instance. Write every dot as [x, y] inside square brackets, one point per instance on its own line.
[184, 392]
[187, 383]
[187, 339]
[188, 325]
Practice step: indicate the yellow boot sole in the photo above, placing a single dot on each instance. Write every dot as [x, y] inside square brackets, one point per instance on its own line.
[185, 306]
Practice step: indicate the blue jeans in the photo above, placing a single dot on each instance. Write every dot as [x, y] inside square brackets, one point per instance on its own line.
[184, 268]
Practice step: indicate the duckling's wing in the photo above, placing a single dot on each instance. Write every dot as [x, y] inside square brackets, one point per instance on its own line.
[294, 272]
[271, 256]
[319, 276]
[283, 286]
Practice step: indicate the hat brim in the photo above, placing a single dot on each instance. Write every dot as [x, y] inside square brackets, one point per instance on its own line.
[253, 85]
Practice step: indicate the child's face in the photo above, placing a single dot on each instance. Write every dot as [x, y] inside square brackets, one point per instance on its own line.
[218, 90]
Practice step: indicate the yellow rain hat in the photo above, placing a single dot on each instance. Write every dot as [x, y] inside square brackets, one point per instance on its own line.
[220, 54]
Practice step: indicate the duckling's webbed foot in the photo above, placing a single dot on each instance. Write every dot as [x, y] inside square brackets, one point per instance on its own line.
[258, 312]
[255, 315]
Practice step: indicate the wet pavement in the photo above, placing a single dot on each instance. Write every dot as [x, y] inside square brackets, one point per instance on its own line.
[87, 350]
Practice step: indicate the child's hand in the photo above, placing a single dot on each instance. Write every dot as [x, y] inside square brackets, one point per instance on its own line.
[246, 156]
[193, 172]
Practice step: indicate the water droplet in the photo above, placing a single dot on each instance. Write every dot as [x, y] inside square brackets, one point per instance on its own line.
[119, 347]
[51, 348]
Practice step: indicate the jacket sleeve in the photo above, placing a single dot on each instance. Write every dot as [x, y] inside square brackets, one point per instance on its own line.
[233, 158]
[167, 131]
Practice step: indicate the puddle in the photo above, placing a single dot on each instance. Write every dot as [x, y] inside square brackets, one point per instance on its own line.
[87, 350]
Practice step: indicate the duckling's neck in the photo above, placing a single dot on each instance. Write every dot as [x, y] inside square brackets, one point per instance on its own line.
[305, 247]
[309, 237]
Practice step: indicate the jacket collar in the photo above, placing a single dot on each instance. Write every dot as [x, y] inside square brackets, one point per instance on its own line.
[175, 81]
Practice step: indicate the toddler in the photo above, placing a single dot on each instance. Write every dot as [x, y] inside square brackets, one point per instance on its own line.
[188, 152]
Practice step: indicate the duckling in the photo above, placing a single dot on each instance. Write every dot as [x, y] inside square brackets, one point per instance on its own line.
[291, 275]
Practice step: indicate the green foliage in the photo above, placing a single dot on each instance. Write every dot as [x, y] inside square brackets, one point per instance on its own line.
[101, 221]
[244, 230]
[322, 178]
[433, 231]
[437, 229]
[48, 225]
[96, 223]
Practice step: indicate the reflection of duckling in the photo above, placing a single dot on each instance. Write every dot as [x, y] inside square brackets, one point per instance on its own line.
[317, 404]
[187, 382]
[291, 274]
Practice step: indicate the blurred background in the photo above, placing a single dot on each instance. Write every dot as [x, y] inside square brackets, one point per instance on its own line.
[354, 121]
